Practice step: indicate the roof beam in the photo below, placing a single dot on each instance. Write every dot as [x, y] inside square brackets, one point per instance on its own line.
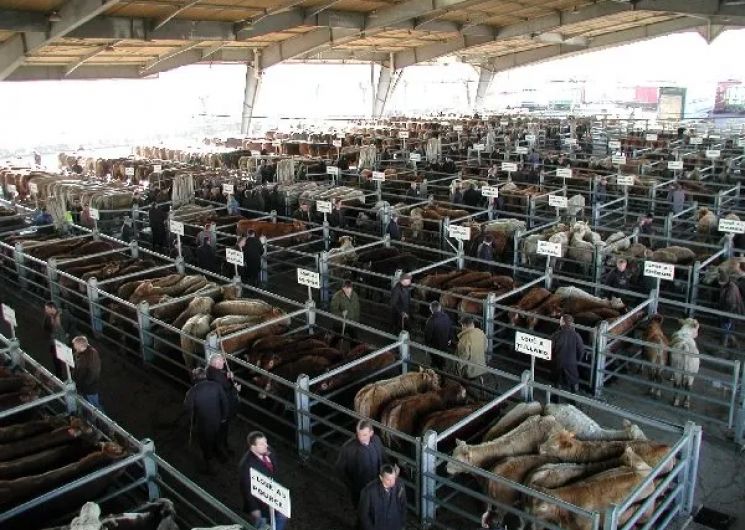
[302, 44]
[176, 12]
[38, 72]
[94, 53]
[73, 14]
[186, 57]
[140, 29]
[178, 51]
[14, 20]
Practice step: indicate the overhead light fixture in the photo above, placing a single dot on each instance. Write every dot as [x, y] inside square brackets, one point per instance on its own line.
[54, 16]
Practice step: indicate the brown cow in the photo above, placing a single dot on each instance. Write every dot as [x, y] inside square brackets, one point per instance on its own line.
[271, 230]
[533, 298]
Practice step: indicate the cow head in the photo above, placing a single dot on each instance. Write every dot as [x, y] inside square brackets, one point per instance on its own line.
[633, 431]
[558, 442]
[462, 453]
[617, 303]
[689, 327]
[631, 459]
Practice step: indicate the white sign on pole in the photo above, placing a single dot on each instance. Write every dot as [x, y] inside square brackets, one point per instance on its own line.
[504, 123]
[618, 160]
[378, 176]
[332, 170]
[532, 345]
[732, 226]
[521, 150]
[33, 188]
[558, 201]
[93, 212]
[696, 140]
[713, 153]
[509, 166]
[490, 191]
[176, 227]
[651, 137]
[458, 128]
[309, 278]
[614, 144]
[570, 141]
[675, 165]
[129, 171]
[663, 271]
[323, 206]
[157, 168]
[340, 135]
[9, 315]
[564, 172]
[479, 147]
[336, 143]
[228, 188]
[270, 493]
[64, 353]
[460, 232]
[741, 142]
[625, 180]
[234, 256]
[415, 157]
[546, 248]
[276, 143]
[530, 137]
[403, 134]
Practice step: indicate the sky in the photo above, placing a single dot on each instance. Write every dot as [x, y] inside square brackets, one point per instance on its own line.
[182, 106]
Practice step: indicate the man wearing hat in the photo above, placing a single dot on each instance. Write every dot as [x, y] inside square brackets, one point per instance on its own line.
[472, 346]
[401, 303]
[730, 301]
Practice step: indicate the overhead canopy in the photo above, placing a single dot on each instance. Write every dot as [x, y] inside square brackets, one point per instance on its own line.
[82, 39]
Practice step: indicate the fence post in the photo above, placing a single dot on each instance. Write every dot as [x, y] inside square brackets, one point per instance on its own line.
[445, 227]
[527, 392]
[143, 321]
[179, 263]
[598, 268]
[273, 213]
[95, 310]
[602, 344]
[134, 249]
[668, 228]
[211, 346]
[718, 204]
[323, 269]
[19, 258]
[14, 352]
[385, 218]
[652, 199]
[516, 237]
[489, 310]
[264, 273]
[71, 395]
[728, 245]
[740, 412]
[693, 294]
[461, 260]
[151, 469]
[404, 351]
[429, 464]
[654, 297]
[302, 417]
[310, 306]
[326, 235]
[53, 276]
[611, 518]
[693, 432]
[547, 281]
[387, 240]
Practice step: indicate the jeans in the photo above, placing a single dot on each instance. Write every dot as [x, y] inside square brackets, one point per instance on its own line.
[94, 400]
[279, 520]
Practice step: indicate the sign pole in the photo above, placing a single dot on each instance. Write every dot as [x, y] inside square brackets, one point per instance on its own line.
[178, 244]
[272, 517]
[532, 368]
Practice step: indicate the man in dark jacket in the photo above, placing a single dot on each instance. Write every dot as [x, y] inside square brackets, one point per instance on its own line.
[336, 217]
[393, 229]
[303, 213]
[457, 197]
[646, 230]
[260, 458]
[567, 350]
[601, 190]
[730, 301]
[472, 197]
[413, 193]
[253, 250]
[620, 277]
[401, 303]
[217, 371]
[485, 252]
[206, 257]
[438, 333]
[158, 227]
[383, 502]
[208, 408]
[360, 459]
[87, 370]
[58, 326]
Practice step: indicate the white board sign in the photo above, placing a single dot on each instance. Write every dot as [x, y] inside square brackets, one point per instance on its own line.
[564, 172]
[33, 188]
[332, 170]
[625, 180]
[276, 143]
[521, 150]
[309, 278]
[651, 137]
[323, 206]
[64, 353]
[129, 171]
[614, 144]
[415, 157]
[9, 315]
[336, 143]
[530, 137]
[228, 188]
[490, 191]
[509, 166]
[460, 232]
[157, 168]
[618, 160]
[655, 269]
[696, 140]
[403, 134]
[479, 147]
[741, 142]
[675, 165]
[270, 493]
[732, 226]
[558, 201]
[176, 227]
[378, 176]
[713, 153]
[93, 212]
[570, 141]
[234, 256]
[546, 248]
[532, 345]
[458, 128]
[340, 135]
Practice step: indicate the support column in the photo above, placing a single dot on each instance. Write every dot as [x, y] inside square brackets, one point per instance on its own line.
[387, 81]
[485, 79]
[253, 81]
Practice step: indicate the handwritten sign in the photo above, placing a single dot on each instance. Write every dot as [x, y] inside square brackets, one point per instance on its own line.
[696, 140]
[570, 141]
[490, 191]
[270, 493]
[64, 353]
[234, 256]
[332, 170]
[732, 226]
[509, 166]
[713, 153]
[9, 315]
[336, 143]
[655, 269]
[129, 171]
[403, 134]
[157, 168]
[458, 128]
[309, 278]
[479, 147]
[558, 201]
[546, 248]
[33, 188]
[323, 206]
[532, 345]
[614, 144]
[378, 176]
[460, 232]
[530, 137]
[625, 180]
[675, 165]
[176, 227]
[741, 142]
[564, 172]
[618, 160]
[228, 189]
[651, 137]
[94, 213]
[415, 157]
[521, 150]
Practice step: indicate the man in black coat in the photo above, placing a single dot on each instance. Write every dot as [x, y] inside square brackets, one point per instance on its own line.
[208, 408]
[206, 257]
[401, 303]
[336, 217]
[567, 350]
[260, 458]
[393, 229]
[383, 502]
[158, 227]
[620, 277]
[253, 250]
[438, 333]
[217, 371]
[472, 197]
[360, 459]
